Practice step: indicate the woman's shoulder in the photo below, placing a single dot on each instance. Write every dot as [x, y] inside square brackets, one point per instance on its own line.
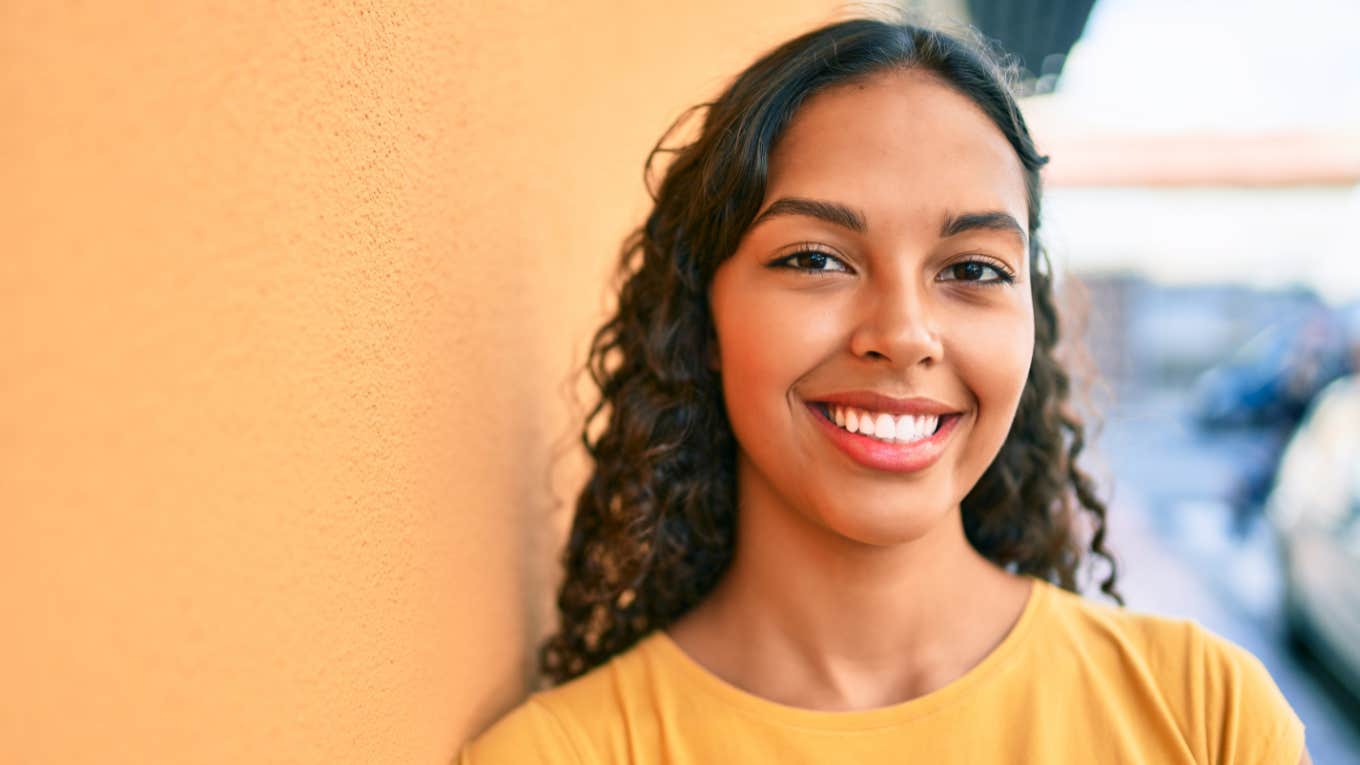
[1176, 644]
[1089, 620]
[1214, 686]
[566, 723]
[531, 732]
[1241, 701]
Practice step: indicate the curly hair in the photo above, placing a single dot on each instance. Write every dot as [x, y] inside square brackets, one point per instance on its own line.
[654, 526]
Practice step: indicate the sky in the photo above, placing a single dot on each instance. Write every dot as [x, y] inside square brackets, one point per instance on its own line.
[1159, 68]
[1246, 65]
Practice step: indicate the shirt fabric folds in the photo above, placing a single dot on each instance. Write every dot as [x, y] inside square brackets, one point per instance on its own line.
[1074, 681]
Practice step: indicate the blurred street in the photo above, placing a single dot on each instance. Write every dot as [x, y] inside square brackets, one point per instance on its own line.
[1172, 529]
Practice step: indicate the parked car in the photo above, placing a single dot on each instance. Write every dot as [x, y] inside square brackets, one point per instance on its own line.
[1314, 507]
[1266, 386]
[1271, 379]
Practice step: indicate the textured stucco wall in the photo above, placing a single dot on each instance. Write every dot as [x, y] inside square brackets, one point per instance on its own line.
[287, 296]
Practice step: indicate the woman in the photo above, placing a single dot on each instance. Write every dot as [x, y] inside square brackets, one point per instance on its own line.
[835, 512]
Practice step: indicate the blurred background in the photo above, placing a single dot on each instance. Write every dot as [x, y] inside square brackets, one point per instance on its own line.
[1203, 206]
[290, 294]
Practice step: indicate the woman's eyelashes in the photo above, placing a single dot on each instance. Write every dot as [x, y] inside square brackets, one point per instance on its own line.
[816, 262]
[970, 271]
[966, 270]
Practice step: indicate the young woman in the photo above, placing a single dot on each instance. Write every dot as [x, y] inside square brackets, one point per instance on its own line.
[835, 514]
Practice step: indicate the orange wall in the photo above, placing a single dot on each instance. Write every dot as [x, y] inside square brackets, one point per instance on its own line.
[287, 296]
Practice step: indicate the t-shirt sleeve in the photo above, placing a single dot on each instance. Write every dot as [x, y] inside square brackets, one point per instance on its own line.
[1249, 720]
[530, 733]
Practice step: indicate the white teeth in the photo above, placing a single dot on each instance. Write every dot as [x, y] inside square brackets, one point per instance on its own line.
[907, 429]
[885, 427]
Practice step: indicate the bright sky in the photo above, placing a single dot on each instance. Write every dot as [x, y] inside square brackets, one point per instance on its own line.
[1222, 65]
[1194, 66]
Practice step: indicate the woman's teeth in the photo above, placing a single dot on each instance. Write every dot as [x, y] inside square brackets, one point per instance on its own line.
[884, 427]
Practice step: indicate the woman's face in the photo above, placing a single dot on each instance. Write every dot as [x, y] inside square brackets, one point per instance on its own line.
[878, 271]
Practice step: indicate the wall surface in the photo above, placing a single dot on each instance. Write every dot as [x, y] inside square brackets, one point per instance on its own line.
[288, 297]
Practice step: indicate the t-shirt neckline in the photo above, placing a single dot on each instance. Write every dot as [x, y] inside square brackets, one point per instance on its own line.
[666, 652]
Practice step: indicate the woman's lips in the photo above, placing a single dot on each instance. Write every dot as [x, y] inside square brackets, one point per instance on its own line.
[880, 455]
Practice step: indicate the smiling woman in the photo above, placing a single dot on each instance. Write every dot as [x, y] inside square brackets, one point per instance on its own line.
[925, 312]
[835, 513]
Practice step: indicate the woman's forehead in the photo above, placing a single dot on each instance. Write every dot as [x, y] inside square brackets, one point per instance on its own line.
[894, 143]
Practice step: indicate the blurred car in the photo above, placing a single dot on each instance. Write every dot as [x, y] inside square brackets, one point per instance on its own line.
[1314, 507]
[1271, 379]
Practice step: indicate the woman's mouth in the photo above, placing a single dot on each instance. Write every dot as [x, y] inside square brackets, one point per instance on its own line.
[881, 426]
[883, 441]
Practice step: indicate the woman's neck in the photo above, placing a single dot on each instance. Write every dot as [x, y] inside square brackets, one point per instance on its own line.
[807, 617]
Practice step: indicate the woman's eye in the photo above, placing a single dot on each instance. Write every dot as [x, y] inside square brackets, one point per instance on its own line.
[975, 271]
[812, 260]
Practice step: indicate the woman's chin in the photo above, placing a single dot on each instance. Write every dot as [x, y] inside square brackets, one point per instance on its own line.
[882, 525]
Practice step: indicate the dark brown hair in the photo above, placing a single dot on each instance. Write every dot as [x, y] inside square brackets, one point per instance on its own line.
[654, 526]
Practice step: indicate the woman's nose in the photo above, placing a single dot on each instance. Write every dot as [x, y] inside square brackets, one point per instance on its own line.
[897, 324]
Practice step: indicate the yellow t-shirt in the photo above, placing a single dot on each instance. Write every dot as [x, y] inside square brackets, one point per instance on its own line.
[1074, 681]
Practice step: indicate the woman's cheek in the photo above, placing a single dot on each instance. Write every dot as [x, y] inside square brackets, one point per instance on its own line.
[755, 339]
[1011, 353]
[768, 342]
[993, 358]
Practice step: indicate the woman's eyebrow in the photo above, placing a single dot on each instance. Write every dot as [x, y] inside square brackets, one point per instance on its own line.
[847, 217]
[831, 212]
[991, 220]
